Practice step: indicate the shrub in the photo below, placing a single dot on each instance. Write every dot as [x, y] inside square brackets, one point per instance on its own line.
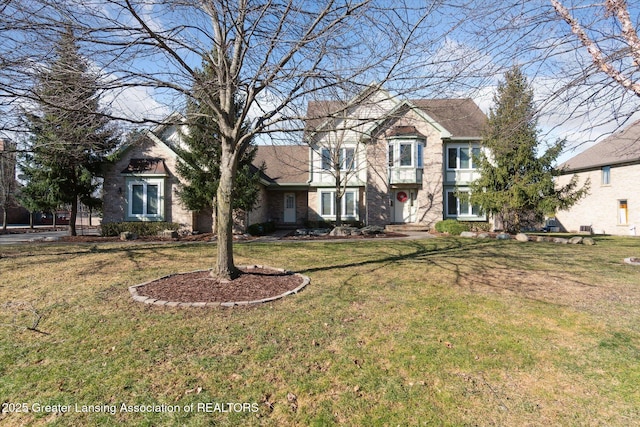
[139, 228]
[452, 226]
[261, 228]
[478, 226]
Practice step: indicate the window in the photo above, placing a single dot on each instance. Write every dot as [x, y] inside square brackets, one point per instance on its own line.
[326, 159]
[420, 149]
[623, 212]
[452, 162]
[326, 202]
[348, 208]
[347, 159]
[459, 205]
[463, 157]
[606, 175]
[391, 150]
[405, 155]
[144, 198]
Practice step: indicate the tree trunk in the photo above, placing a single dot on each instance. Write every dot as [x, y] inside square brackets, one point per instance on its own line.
[72, 217]
[225, 267]
[31, 220]
[4, 219]
[54, 220]
[338, 199]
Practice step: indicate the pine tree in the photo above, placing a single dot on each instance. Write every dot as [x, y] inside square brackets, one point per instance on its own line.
[69, 136]
[200, 158]
[516, 184]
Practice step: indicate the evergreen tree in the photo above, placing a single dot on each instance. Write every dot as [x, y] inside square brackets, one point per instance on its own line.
[69, 135]
[516, 184]
[200, 158]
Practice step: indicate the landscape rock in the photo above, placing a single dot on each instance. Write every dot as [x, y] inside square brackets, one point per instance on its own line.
[51, 239]
[127, 235]
[521, 237]
[468, 234]
[343, 231]
[560, 240]
[575, 240]
[588, 241]
[372, 229]
[503, 236]
[483, 236]
[169, 234]
[541, 239]
[319, 232]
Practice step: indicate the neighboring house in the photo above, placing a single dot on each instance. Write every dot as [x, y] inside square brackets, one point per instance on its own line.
[613, 169]
[403, 162]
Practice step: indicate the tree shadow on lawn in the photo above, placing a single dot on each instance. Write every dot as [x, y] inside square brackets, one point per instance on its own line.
[489, 267]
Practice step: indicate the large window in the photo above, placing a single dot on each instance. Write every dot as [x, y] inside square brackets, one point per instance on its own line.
[348, 208]
[458, 205]
[463, 157]
[346, 159]
[144, 198]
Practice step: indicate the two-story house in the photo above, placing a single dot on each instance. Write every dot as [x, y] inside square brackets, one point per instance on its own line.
[403, 161]
[393, 161]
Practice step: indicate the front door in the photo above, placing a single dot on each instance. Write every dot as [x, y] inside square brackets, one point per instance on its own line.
[290, 207]
[404, 209]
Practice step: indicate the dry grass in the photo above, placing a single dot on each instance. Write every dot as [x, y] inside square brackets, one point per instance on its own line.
[439, 331]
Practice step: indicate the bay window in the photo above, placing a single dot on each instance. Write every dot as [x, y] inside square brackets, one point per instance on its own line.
[406, 153]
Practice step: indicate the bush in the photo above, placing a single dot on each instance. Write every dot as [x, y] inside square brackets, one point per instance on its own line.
[138, 228]
[452, 226]
[261, 228]
[478, 226]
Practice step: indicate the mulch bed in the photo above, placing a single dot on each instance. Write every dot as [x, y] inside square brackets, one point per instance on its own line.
[253, 284]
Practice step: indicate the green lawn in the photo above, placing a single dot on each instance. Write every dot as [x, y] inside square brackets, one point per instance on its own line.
[443, 331]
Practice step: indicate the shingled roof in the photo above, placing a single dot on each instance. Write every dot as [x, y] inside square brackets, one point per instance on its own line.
[285, 164]
[461, 117]
[620, 148]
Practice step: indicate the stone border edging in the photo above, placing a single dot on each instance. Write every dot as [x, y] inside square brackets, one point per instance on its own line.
[133, 290]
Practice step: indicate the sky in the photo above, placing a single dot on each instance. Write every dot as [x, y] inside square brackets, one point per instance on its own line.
[464, 48]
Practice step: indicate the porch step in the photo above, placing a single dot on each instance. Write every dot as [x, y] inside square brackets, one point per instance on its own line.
[406, 227]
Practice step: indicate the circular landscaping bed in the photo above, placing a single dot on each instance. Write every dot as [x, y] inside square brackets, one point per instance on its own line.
[256, 284]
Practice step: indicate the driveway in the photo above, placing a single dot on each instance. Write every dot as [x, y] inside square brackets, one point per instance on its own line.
[29, 235]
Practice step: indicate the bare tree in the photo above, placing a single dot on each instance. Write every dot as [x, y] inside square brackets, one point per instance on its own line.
[272, 55]
[619, 57]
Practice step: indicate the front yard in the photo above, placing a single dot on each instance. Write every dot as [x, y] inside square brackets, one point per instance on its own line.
[444, 331]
